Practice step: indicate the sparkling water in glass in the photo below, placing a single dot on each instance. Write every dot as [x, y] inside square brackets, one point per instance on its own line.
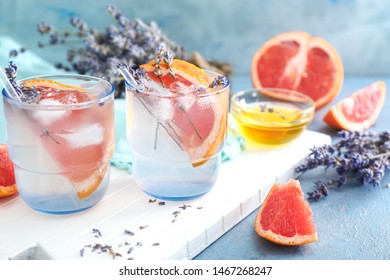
[61, 142]
[176, 137]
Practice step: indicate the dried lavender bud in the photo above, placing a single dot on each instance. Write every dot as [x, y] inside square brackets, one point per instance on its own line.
[13, 53]
[184, 206]
[96, 232]
[130, 250]
[219, 81]
[25, 94]
[168, 57]
[176, 213]
[161, 203]
[44, 28]
[362, 155]
[128, 232]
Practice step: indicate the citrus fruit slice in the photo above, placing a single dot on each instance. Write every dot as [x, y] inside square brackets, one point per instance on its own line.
[300, 62]
[184, 72]
[360, 110]
[7, 175]
[198, 123]
[79, 140]
[285, 217]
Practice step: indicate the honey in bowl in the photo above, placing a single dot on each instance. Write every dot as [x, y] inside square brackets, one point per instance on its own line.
[271, 116]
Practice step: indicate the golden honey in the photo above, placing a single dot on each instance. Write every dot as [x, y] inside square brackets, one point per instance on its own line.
[270, 123]
[271, 116]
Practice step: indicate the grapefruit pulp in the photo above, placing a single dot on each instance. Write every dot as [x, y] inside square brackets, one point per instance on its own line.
[77, 139]
[285, 217]
[7, 176]
[360, 110]
[199, 128]
[298, 61]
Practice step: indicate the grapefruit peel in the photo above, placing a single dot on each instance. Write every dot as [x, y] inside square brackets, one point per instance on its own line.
[7, 181]
[285, 217]
[360, 110]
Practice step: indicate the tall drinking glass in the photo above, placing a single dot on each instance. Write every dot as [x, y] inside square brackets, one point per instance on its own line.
[61, 140]
[176, 139]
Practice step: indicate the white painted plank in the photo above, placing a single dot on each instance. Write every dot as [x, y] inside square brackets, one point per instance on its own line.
[239, 190]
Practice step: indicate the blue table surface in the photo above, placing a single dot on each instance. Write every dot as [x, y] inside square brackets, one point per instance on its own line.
[352, 222]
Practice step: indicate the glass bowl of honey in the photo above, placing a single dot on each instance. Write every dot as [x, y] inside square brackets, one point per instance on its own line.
[271, 116]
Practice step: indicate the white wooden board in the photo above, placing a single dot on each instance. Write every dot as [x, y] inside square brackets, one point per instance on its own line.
[240, 189]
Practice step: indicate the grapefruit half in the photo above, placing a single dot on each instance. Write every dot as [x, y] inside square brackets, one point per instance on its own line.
[298, 61]
[199, 122]
[77, 139]
[7, 175]
[285, 217]
[360, 110]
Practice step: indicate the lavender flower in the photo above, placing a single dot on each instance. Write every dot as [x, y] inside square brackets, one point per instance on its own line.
[361, 155]
[132, 42]
[219, 81]
[25, 93]
[44, 28]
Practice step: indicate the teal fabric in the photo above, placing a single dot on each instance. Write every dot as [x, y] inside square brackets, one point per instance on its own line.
[30, 64]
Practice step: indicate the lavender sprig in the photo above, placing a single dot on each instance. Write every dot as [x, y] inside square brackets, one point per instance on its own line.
[24, 93]
[361, 155]
[97, 53]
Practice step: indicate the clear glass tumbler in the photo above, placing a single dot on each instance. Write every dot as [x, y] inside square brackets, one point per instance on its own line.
[61, 141]
[176, 140]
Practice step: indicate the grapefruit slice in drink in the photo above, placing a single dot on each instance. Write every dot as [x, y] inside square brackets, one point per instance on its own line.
[198, 123]
[360, 110]
[285, 217]
[7, 175]
[78, 140]
[298, 61]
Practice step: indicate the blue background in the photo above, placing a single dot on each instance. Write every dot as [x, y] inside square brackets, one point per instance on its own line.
[225, 30]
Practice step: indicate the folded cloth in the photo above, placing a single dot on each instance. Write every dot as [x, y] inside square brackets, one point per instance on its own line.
[29, 64]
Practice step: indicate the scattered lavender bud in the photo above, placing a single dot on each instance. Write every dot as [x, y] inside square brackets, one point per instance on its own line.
[13, 53]
[97, 233]
[128, 232]
[130, 250]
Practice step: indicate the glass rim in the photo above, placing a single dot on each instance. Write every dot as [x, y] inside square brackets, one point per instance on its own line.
[308, 104]
[100, 98]
[201, 95]
[262, 91]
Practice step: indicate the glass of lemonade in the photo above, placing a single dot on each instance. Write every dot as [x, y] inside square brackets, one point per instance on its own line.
[61, 139]
[176, 127]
